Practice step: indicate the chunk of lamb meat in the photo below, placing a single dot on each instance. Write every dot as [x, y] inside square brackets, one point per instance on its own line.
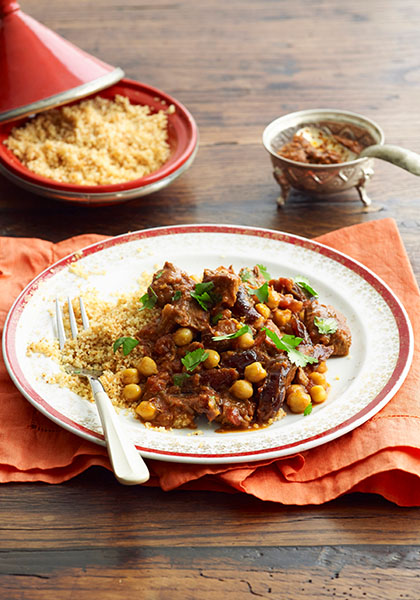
[223, 327]
[186, 312]
[226, 284]
[183, 312]
[318, 351]
[219, 379]
[169, 280]
[237, 414]
[340, 341]
[252, 276]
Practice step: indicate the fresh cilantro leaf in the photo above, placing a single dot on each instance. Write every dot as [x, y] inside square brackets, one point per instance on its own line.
[299, 359]
[291, 341]
[202, 295]
[264, 272]
[232, 336]
[207, 286]
[149, 299]
[247, 276]
[216, 318]
[127, 343]
[261, 292]
[194, 358]
[329, 325]
[180, 378]
[288, 343]
[177, 295]
[204, 300]
[303, 283]
[308, 410]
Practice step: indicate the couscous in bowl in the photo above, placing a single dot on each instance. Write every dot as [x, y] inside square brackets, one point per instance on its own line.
[182, 139]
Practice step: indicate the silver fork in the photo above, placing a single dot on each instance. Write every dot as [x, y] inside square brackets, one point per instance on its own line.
[128, 465]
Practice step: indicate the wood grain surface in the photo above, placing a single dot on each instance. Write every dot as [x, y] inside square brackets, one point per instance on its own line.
[236, 65]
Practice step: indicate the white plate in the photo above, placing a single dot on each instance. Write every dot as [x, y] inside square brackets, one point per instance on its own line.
[361, 383]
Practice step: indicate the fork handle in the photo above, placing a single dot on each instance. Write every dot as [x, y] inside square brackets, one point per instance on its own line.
[128, 465]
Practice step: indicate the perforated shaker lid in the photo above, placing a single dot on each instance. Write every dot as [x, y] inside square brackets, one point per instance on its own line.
[39, 69]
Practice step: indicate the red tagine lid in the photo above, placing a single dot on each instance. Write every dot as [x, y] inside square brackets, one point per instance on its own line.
[39, 69]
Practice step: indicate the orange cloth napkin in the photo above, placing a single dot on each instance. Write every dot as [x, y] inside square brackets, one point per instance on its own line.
[382, 456]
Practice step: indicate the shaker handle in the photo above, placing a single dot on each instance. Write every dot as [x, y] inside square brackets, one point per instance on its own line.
[401, 157]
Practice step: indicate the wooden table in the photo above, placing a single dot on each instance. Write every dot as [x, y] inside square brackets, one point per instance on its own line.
[236, 65]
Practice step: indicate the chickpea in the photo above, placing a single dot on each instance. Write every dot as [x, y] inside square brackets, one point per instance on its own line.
[132, 392]
[146, 410]
[147, 366]
[298, 401]
[245, 341]
[318, 394]
[255, 372]
[183, 336]
[282, 317]
[321, 367]
[212, 360]
[263, 310]
[259, 323]
[273, 298]
[296, 387]
[241, 389]
[130, 376]
[317, 378]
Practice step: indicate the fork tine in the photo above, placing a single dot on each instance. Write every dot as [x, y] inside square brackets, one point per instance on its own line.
[85, 319]
[60, 324]
[73, 324]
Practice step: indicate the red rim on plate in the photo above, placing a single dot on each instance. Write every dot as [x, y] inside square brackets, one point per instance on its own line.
[182, 138]
[399, 373]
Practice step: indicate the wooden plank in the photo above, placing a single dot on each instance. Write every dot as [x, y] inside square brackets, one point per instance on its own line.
[386, 573]
[84, 513]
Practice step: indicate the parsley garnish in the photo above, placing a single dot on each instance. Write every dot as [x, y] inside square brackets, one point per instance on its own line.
[289, 343]
[247, 276]
[194, 358]
[149, 299]
[261, 292]
[303, 283]
[308, 410]
[264, 272]
[204, 300]
[201, 288]
[177, 295]
[231, 336]
[216, 318]
[127, 343]
[180, 378]
[329, 325]
[202, 293]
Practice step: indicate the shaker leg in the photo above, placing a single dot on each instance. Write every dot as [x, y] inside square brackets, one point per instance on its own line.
[363, 195]
[284, 186]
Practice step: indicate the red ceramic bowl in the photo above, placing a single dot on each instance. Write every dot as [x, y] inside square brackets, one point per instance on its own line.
[182, 138]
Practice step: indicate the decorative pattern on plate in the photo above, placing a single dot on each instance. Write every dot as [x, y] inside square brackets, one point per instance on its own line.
[360, 384]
